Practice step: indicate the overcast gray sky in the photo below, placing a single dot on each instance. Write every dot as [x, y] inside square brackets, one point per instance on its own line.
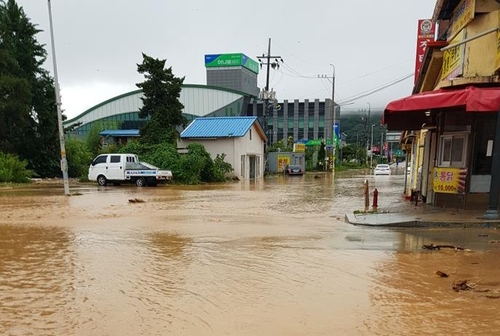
[99, 43]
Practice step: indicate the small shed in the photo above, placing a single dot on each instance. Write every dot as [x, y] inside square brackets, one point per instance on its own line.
[241, 139]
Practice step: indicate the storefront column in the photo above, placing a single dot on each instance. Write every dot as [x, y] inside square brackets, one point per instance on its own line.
[492, 212]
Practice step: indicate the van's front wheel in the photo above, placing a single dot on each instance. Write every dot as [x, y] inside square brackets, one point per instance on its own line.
[140, 182]
[101, 180]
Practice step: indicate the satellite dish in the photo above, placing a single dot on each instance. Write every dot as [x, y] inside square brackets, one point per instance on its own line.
[278, 107]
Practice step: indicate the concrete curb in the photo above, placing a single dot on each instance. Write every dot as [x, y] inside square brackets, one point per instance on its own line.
[400, 220]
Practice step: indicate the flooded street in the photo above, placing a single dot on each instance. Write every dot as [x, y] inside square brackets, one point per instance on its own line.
[268, 258]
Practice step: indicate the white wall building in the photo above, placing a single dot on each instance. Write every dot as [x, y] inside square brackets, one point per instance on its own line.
[241, 139]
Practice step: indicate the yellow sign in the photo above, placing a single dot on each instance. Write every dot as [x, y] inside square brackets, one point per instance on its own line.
[497, 55]
[299, 147]
[453, 59]
[449, 180]
[462, 15]
[283, 161]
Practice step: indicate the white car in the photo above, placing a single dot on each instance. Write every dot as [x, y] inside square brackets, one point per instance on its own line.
[382, 169]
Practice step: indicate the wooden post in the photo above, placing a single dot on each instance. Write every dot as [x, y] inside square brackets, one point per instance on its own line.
[367, 195]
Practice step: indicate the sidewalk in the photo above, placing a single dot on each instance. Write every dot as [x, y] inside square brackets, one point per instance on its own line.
[408, 215]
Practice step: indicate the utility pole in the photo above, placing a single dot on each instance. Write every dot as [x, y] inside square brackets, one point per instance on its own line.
[64, 162]
[335, 129]
[270, 61]
[366, 124]
[381, 144]
[371, 149]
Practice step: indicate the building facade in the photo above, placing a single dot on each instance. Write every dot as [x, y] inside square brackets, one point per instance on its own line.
[240, 139]
[450, 122]
[301, 120]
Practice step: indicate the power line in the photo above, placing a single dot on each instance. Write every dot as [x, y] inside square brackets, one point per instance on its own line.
[383, 87]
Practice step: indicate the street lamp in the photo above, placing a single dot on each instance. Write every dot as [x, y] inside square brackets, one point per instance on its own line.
[371, 149]
[64, 162]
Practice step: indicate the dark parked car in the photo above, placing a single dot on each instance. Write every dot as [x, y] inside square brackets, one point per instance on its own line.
[293, 170]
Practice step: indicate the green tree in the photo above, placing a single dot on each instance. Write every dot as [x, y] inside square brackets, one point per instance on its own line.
[28, 114]
[79, 158]
[93, 139]
[161, 92]
[281, 146]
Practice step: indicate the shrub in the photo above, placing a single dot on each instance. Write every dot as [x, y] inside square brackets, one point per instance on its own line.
[79, 158]
[194, 167]
[13, 170]
[221, 168]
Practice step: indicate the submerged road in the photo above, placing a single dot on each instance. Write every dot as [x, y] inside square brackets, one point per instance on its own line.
[273, 257]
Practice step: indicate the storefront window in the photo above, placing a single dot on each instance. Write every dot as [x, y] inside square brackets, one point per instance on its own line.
[453, 150]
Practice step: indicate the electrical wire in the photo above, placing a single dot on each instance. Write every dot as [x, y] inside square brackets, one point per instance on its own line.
[372, 73]
[380, 88]
[300, 59]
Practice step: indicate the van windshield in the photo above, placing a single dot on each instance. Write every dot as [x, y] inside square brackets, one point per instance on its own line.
[99, 159]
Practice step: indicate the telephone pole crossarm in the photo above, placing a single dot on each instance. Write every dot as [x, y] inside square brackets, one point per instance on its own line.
[269, 61]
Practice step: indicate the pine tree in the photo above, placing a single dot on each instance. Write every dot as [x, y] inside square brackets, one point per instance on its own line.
[161, 92]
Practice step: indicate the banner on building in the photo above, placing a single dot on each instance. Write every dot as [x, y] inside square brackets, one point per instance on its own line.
[462, 15]
[231, 60]
[299, 147]
[449, 180]
[336, 134]
[497, 55]
[453, 59]
[425, 34]
[283, 161]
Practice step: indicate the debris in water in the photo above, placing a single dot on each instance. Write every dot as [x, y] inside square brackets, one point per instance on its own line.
[442, 274]
[135, 200]
[463, 285]
[493, 296]
[438, 247]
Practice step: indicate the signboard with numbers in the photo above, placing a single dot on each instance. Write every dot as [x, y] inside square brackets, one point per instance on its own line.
[449, 180]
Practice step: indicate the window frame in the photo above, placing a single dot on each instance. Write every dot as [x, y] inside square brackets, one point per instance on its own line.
[451, 137]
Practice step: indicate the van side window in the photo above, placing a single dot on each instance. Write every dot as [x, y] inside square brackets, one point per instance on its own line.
[115, 158]
[100, 159]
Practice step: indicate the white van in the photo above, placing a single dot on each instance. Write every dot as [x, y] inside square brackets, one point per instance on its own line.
[122, 168]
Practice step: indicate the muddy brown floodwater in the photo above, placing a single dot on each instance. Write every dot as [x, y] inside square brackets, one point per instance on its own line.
[268, 258]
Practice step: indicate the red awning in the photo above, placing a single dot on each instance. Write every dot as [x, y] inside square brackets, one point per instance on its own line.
[470, 99]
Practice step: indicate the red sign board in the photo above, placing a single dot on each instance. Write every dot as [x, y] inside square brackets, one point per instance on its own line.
[425, 34]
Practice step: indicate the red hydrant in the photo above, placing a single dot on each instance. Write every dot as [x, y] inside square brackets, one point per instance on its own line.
[375, 200]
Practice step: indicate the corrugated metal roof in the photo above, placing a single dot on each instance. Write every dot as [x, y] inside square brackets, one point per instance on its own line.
[218, 127]
[122, 133]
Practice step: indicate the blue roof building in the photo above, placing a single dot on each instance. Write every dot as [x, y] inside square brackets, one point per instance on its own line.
[221, 127]
[241, 139]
